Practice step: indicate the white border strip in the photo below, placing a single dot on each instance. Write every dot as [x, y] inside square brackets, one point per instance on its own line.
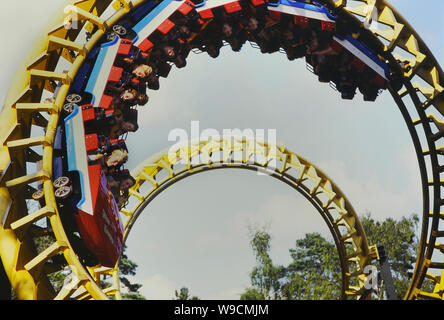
[157, 21]
[210, 4]
[361, 56]
[105, 70]
[301, 12]
[82, 161]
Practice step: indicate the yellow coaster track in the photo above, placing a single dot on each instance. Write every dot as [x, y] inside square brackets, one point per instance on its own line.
[26, 268]
[422, 79]
[164, 169]
[25, 109]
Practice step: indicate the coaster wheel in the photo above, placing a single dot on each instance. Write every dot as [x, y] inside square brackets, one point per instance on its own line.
[74, 98]
[61, 182]
[38, 195]
[63, 192]
[68, 108]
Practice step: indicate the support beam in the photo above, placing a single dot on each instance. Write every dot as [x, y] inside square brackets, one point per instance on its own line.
[5, 286]
[386, 274]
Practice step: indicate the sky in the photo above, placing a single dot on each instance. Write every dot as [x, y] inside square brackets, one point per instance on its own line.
[196, 233]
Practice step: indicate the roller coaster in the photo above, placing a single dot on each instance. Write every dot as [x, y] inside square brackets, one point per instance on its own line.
[117, 52]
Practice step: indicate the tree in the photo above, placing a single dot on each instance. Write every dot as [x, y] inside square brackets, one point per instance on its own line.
[265, 277]
[57, 278]
[252, 294]
[312, 274]
[128, 267]
[401, 245]
[315, 273]
[184, 294]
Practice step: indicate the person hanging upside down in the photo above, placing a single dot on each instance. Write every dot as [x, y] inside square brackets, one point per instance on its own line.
[110, 161]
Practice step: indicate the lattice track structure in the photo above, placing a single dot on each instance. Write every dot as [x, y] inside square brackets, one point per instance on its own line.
[420, 101]
[164, 169]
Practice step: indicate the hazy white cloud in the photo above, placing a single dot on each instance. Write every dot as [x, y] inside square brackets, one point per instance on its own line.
[21, 22]
[377, 193]
[157, 287]
[287, 217]
[229, 294]
[195, 234]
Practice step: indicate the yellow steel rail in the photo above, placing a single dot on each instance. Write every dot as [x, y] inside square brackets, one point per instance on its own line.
[397, 43]
[26, 268]
[172, 165]
[422, 86]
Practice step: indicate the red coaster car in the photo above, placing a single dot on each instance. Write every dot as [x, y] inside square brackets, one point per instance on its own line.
[82, 193]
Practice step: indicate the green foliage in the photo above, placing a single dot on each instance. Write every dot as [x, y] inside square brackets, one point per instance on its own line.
[315, 272]
[132, 296]
[184, 294]
[128, 267]
[56, 278]
[252, 294]
[306, 277]
[265, 275]
[401, 245]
